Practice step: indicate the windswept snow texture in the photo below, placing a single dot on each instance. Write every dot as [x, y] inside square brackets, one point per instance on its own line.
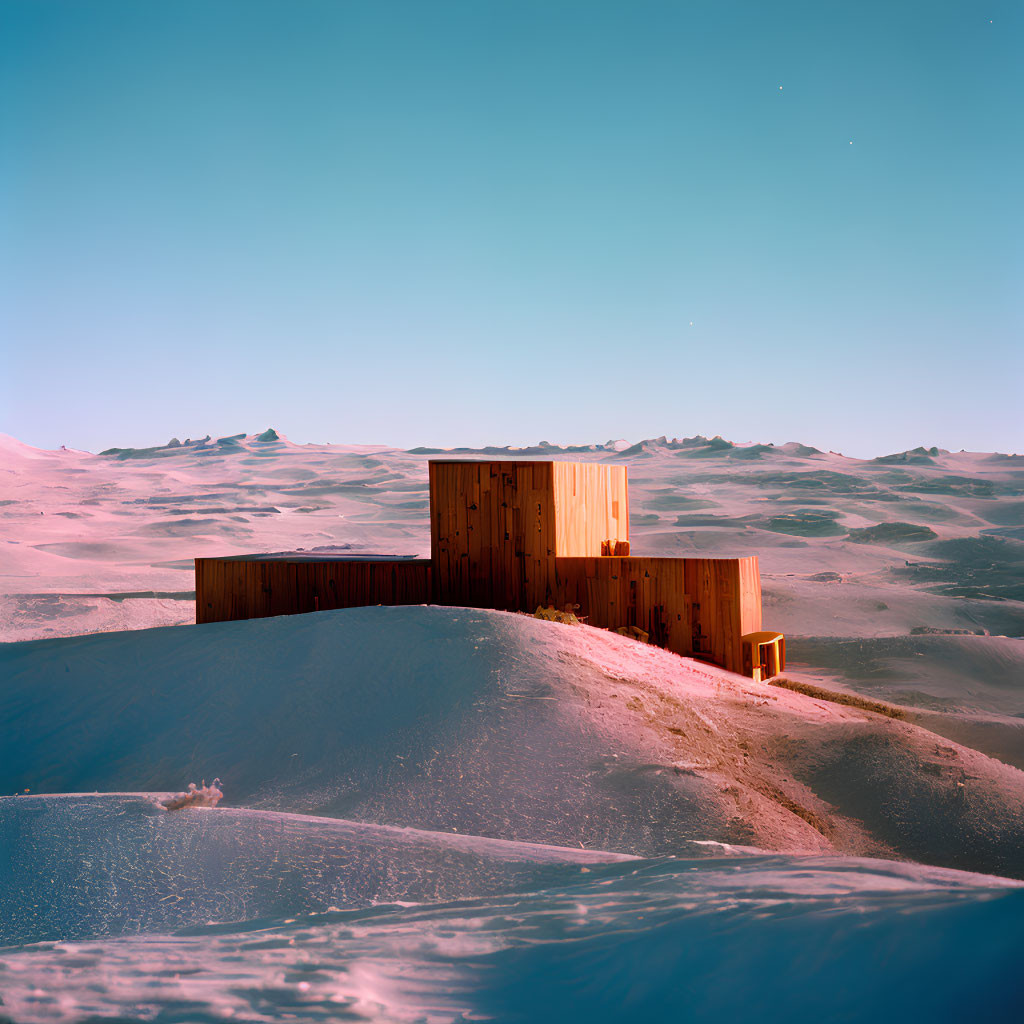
[120, 864]
[778, 939]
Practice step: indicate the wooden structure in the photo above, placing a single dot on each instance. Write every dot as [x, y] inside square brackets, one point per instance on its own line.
[764, 654]
[515, 536]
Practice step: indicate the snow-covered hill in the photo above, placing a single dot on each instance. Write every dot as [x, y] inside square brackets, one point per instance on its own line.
[500, 725]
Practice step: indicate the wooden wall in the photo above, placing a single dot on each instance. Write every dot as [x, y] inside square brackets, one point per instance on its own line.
[591, 507]
[228, 588]
[492, 533]
[750, 595]
[694, 606]
[495, 527]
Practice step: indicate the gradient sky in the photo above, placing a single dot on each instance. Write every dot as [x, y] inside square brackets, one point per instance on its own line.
[441, 223]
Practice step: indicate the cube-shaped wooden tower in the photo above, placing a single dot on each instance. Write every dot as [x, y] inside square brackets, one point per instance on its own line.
[496, 527]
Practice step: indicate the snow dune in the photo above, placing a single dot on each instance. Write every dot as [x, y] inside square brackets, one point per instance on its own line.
[499, 725]
[778, 938]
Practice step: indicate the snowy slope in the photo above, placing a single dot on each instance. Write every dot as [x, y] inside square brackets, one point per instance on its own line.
[499, 725]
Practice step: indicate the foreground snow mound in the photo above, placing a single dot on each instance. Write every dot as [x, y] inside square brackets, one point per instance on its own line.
[500, 725]
[79, 867]
[782, 939]
[457, 724]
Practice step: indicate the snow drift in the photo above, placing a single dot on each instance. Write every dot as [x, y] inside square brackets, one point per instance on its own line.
[80, 867]
[779, 938]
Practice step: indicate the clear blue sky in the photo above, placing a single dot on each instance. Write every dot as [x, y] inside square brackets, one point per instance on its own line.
[499, 222]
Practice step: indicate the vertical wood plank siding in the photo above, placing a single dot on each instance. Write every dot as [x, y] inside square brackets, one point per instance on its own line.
[228, 588]
[591, 507]
[692, 606]
[492, 532]
[512, 536]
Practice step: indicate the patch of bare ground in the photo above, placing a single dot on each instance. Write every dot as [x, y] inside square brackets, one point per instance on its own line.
[852, 700]
[758, 799]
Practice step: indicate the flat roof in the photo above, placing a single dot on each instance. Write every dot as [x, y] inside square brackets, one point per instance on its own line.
[497, 459]
[314, 556]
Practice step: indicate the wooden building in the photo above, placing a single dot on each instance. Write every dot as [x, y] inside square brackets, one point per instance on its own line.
[515, 536]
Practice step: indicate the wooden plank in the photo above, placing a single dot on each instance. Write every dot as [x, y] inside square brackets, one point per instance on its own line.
[590, 507]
